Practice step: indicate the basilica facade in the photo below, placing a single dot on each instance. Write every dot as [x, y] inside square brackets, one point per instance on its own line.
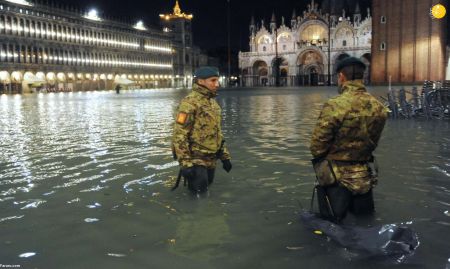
[306, 51]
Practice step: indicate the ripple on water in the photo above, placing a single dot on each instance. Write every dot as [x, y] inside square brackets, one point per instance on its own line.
[33, 203]
[146, 181]
[90, 220]
[117, 255]
[11, 218]
[94, 205]
[95, 188]
[27, 254]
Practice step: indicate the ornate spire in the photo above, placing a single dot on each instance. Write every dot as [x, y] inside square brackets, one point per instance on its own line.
[176, 13]
[273, 23]
[294, 19]
[357, 14]
[357, 9]
[273, 17]
[177, 9]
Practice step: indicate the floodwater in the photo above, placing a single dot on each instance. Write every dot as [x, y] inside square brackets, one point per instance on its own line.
[85, 183]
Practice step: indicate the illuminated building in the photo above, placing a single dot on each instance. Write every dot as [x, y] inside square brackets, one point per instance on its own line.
[45, 47]
[409, 44]
[307, 50]
[179, 26]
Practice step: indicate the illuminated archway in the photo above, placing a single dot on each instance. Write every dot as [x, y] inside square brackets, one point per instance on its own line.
[260, 72]
[310, 66]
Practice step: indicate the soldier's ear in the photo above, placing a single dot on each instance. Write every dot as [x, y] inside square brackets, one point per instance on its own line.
[200, 81]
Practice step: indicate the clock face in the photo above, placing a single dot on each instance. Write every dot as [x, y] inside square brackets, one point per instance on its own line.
[438, 11]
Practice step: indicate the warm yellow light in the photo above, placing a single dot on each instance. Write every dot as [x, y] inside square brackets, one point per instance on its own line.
[438, 11]
[4, 75]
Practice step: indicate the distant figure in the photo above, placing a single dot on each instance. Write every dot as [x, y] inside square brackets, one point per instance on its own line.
[197, 134]
[118, 88]
[346, 134]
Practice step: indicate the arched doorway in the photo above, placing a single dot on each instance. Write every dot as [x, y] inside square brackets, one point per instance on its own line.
[310, 69]
[313, 79]
[280, 68]
[283, 77]
[5, 82]
[260, 74]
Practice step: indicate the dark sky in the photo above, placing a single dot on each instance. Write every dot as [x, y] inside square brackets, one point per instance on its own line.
[210, 16]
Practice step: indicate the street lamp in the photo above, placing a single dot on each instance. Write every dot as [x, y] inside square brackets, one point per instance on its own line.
[329, 50]
[229, 43]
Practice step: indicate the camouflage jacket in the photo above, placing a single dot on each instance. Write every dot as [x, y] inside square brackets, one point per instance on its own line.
[347, 132]
[197, 133]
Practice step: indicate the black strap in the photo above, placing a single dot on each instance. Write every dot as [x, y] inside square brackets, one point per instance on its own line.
[311, 208]
[178, 181]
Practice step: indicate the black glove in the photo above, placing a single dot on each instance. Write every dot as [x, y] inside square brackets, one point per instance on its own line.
[226, 164]
[188, 172]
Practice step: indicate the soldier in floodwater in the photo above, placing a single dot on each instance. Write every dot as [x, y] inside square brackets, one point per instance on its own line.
[197, 136]
[346, 134]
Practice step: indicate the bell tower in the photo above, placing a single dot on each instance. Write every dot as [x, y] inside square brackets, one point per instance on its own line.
[179, 25]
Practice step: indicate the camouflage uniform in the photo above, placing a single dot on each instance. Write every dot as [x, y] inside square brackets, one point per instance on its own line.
[197, 133]
[347, 133]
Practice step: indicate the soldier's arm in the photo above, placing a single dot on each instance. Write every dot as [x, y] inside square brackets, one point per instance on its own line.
[181, 133]
[226, 154]
[378, 125]
[327, 125]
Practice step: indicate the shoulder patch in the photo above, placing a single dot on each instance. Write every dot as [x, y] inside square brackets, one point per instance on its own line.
[182, 118]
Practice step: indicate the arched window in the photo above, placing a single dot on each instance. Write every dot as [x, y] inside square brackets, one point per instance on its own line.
[344, 43]
[383, 46]
[264, 48]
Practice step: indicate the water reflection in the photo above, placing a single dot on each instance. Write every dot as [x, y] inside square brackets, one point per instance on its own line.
[85, 179]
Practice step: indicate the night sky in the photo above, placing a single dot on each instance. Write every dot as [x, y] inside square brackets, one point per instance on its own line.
[210, 16]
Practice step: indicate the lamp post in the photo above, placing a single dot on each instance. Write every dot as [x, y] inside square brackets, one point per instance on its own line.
[277, 61]
[229, 44]
[329, 50]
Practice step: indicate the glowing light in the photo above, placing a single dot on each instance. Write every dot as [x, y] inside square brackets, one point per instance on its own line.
[4, 75]
[438, 11]
[51, 76]
[140, 26]
[93, 15]
[150, 47]
[20, 2]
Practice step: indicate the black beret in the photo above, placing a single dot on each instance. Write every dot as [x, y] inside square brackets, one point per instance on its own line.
[349, 61]
[206, 72]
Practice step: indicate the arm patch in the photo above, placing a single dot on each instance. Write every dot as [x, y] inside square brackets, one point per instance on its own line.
[182, 118]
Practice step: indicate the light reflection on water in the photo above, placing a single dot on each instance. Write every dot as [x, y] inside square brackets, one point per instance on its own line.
[85, 180]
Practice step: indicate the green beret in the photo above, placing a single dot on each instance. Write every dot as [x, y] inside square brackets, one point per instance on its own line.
[349, 61]
[206, 72]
